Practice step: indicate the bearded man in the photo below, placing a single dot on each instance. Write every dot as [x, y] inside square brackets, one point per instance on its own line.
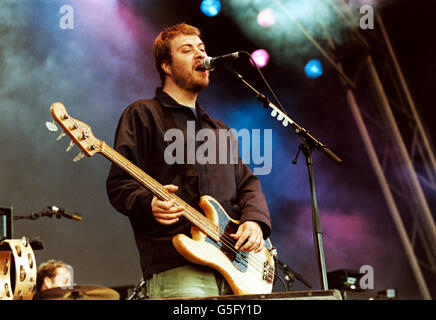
[179, 53]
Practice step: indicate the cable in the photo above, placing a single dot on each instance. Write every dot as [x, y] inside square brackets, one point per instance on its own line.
[264, 80]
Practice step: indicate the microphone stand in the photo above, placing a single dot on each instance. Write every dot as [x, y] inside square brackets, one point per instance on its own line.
[290, 274]
[308, 144]
[50, 211]
[135, 294]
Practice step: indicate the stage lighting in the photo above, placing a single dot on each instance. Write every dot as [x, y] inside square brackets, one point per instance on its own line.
[313, 68]
[210, 8]
[266, 18]
[261, 57]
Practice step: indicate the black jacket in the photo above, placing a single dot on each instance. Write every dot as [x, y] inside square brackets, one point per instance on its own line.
[140, 138]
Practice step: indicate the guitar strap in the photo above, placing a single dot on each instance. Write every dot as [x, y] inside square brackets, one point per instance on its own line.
[190, 178]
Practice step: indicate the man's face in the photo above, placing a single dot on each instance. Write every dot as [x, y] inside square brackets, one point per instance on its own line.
[188, 52]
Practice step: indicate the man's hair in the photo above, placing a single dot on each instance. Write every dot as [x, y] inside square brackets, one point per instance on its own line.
[47, 269]
[161, 46]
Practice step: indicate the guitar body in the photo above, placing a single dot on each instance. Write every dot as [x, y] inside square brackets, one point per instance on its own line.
[246, 273]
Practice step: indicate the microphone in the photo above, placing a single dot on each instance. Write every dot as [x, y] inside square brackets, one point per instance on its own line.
[210, 63]
[62, 212]
[36, 243]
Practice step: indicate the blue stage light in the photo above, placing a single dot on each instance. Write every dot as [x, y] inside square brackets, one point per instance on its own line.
[210, 8]
[313, 68]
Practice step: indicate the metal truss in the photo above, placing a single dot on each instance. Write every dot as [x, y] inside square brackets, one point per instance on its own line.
[400, 151]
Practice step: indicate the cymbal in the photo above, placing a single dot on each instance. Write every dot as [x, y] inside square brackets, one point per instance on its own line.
[78, 292]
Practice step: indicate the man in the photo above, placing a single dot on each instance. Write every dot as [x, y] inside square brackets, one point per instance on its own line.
[53, 274]
[179, 52]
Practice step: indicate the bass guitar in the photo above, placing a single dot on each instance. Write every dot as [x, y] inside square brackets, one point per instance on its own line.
[211, 244]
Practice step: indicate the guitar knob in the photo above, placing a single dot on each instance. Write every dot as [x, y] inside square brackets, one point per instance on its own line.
[70, 146]
[79, 156]
[60, 136]
[51, 126]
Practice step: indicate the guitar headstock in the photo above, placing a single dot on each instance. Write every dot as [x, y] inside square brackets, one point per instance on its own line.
[79, 132]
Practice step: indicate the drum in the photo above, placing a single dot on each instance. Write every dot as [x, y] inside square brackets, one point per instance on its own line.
[17, 270]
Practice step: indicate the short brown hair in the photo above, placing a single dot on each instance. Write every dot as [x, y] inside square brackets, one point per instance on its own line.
[161, 46]
[47, 269]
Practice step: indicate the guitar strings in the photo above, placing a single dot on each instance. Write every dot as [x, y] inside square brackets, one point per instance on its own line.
[205, 224]
[228, 242]
[224, 237]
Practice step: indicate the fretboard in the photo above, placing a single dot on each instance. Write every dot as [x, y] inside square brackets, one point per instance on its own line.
[190, 213]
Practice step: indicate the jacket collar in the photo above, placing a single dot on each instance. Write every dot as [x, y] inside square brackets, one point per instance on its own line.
[168, 102]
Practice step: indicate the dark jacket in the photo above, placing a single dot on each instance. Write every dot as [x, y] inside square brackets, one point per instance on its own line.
[140, 138]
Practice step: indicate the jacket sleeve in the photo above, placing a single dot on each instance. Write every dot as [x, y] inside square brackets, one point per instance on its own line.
[249, 195]
[251, 199]
[132, 141]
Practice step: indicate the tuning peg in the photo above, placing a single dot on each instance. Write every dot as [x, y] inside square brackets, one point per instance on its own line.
[280, 117]
[274, 113]
[70, 146]
[85, 135]
[51, 126]
[285, 122]
[60, 136]
[79, 156]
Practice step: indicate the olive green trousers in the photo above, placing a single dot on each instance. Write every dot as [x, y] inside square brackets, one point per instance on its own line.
[187, 282]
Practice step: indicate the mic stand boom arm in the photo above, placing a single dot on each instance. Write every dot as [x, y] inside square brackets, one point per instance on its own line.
[282, 116]
[308, 144]
[50, 211]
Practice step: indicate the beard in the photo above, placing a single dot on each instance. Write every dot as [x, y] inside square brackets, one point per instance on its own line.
[190, 81]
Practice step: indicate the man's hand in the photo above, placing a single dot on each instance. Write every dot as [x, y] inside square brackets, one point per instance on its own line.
[165, 212]
[251, 232]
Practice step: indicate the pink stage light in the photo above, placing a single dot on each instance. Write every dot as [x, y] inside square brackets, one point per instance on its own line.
[261, 57]
[266, 18]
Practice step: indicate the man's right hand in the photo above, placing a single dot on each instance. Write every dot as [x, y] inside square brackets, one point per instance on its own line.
[165, 212]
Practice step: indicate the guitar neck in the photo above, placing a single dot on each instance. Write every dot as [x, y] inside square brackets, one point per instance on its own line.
[158, 189]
